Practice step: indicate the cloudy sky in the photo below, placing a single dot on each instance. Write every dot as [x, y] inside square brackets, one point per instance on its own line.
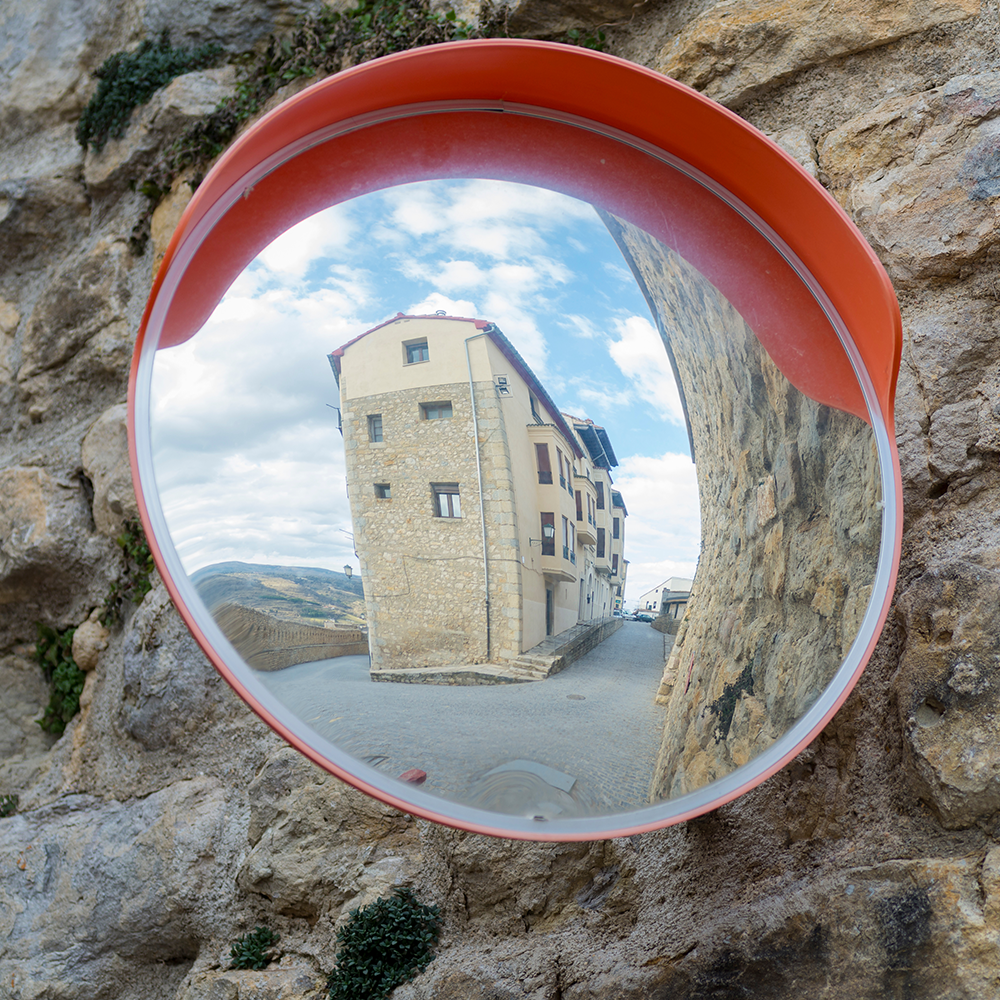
[248, 458]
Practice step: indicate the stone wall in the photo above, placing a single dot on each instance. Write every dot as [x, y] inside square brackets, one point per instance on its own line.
[423, 574]
[267, 643]
[791, 524]
[167, 821]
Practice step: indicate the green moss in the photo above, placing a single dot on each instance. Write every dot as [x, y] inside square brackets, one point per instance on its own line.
[134, 583]
[320, 44]
[8, 805]
[588, 40]
[251, 951]
[382, 946]
[129, 79]
[54, 651]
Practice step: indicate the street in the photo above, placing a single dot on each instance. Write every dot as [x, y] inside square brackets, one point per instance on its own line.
[582, 742]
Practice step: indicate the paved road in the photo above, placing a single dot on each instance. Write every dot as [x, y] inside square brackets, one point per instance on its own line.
[595, 723]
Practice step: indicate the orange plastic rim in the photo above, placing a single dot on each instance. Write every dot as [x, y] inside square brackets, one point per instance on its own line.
[534, 112]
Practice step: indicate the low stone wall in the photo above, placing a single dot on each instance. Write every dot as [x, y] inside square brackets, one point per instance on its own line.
[475, 675]
[668, 626]
[556, 652]
[267, 643]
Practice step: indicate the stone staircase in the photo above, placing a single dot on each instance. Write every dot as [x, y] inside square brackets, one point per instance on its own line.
[556, 652]
[552, 654]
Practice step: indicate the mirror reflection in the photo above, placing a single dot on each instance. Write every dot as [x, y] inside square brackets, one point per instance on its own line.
[436, 441]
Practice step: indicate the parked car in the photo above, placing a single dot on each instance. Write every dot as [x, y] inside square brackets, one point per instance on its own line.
[643, 618]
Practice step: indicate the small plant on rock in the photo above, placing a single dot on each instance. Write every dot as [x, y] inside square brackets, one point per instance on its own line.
[251, 951]
[588, 40]
[54, 651]
[384, 945]
[129, 79]
[134, 584]
[8, 805]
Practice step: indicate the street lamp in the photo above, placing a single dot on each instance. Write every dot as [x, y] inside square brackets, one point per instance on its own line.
[348, 571]
[548, 531]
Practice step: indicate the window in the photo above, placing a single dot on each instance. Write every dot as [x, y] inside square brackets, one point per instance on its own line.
[383, 491]
[572, 542]
[615, 527]
[534, 409]
[417, 351]
[562, 468]
[600, 495]
[579, 506]
[600, 543]
[565, 538]
[435, 411]
[614, 564]
[548, 544]
[544, 466]
[374, 426]
[446, 500]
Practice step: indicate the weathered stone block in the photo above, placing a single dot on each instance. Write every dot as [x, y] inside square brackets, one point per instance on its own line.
[733, 50]
[948, 689]
[916, 173]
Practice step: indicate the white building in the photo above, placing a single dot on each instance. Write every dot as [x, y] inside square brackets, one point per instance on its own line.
[668, 598]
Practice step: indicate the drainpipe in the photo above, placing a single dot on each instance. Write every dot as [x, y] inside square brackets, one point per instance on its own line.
[479, 475]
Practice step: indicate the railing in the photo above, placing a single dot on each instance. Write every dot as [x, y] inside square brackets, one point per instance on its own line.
[545, 478]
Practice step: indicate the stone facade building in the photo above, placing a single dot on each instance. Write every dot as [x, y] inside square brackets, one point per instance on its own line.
[484, 519]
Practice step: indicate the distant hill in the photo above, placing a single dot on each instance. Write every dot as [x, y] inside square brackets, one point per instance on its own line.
[305, 595]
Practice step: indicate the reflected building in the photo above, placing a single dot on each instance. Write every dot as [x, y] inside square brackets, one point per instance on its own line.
[485, 520]
[669, 599]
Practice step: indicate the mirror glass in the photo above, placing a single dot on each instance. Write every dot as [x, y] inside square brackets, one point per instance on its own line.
[434, 446]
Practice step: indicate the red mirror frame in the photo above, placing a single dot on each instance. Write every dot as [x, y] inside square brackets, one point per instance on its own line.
[417, 115]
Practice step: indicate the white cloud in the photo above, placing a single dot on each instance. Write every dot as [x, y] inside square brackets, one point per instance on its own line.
[325, 234]
[663, 529]
[640, 355]
[248, 458]
[436, 301]
[581, 326]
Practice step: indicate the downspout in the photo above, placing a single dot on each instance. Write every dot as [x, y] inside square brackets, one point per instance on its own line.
[479, 476]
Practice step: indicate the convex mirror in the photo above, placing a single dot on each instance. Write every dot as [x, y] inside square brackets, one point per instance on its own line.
[505, 293]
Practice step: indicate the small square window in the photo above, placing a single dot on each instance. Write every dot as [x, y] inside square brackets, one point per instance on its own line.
[417, 351]
[374, 426]
[447, 502]
[383, 491]
[435, 411]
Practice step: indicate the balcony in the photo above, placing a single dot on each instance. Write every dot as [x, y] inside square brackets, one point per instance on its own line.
[586, 532]
[557, 569]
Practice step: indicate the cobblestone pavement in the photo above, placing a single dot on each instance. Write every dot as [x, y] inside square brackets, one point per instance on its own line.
[595, 722]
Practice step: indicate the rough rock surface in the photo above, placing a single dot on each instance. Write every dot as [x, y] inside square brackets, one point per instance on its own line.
[789, 493]
[733, 49]
[167, 820]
